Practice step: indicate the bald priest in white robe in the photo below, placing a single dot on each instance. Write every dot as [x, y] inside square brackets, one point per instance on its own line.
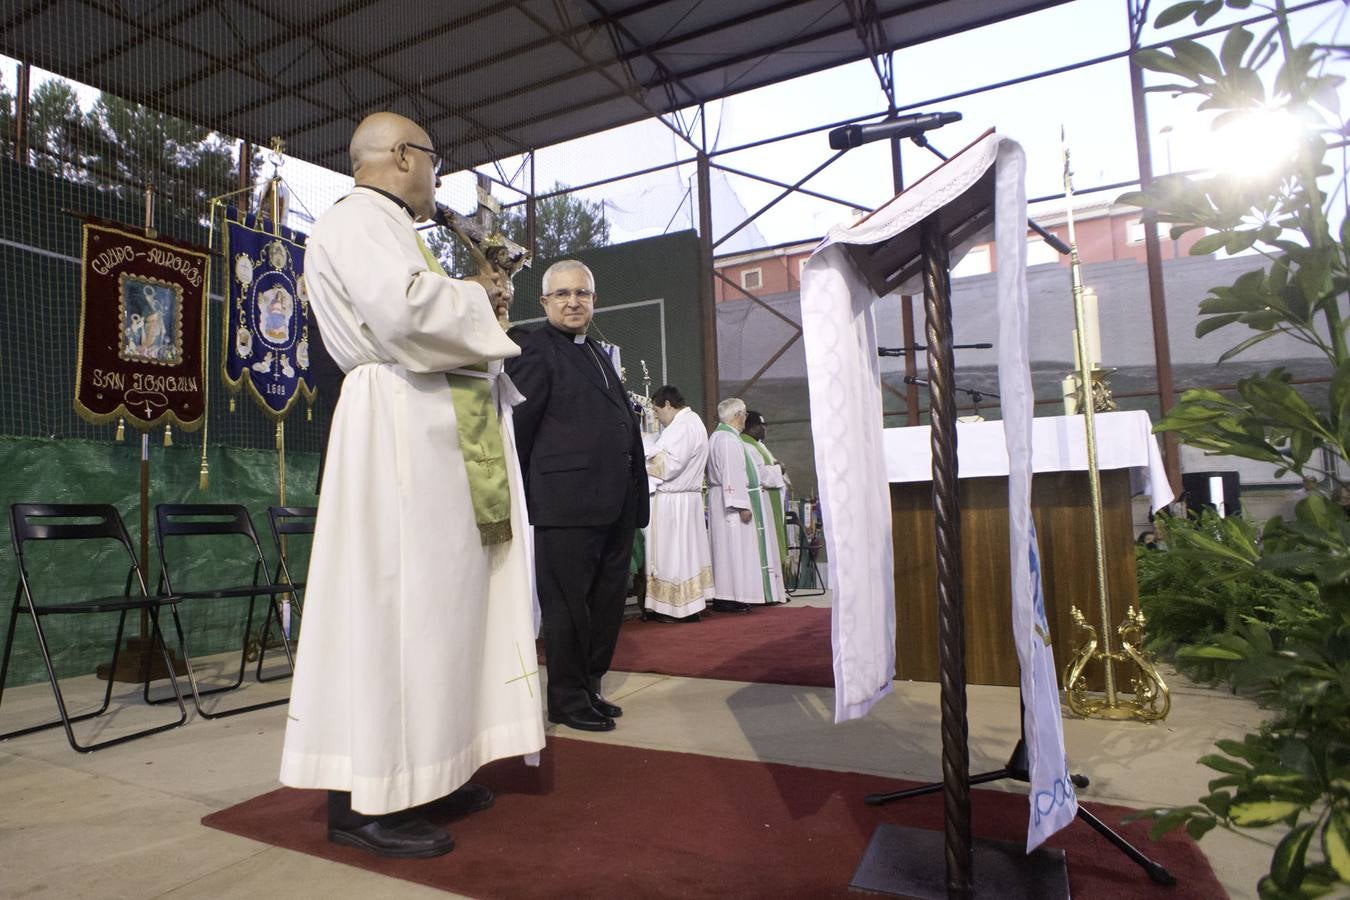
[416, 662]
[679, 563]
[746, 566]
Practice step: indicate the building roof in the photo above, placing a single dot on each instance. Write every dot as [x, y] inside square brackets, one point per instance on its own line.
[488, 78]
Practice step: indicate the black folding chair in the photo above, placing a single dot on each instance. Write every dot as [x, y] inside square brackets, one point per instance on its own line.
[181, 520]
[288, 521]
[29, 523]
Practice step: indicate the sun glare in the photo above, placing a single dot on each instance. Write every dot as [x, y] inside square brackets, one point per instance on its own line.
[1255, 143]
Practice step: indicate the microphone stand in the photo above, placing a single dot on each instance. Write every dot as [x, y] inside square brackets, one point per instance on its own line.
[976, 397]
[901, 351]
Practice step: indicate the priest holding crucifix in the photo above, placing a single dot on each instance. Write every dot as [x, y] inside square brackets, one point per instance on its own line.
[416, 660]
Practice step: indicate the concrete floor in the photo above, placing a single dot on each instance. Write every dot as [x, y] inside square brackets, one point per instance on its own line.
[125, 821]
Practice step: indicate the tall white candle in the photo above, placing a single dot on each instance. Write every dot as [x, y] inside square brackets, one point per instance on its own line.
[1093, 327]
[1070, 388]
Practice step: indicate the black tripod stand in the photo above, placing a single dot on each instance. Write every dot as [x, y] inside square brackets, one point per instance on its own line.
[1016, 769]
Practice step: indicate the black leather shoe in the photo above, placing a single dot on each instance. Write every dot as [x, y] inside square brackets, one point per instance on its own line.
[586, 720]
[604, 707]
[730, 606]
[396, 836]
[470, 798]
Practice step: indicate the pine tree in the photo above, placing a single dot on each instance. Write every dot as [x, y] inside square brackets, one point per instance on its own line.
[56, 130]
[564, 226]
[130, 146]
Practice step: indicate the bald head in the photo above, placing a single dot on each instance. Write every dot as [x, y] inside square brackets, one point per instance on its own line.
[385, 154]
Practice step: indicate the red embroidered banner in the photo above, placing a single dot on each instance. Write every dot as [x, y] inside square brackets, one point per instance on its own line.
[142, 329]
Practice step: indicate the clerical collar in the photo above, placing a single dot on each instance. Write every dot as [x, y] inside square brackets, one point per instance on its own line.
[399, 200]
[574, 338]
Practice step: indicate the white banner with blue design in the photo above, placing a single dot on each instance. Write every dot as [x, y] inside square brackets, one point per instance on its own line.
[266, 327]
[840, 335]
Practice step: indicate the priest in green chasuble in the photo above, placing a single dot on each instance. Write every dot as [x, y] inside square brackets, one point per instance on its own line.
[771, 476]
[747, 569]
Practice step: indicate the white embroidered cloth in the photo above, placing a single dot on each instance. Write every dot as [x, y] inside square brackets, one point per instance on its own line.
[839, 332]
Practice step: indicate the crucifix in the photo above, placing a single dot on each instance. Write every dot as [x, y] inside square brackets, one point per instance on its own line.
[494, 254]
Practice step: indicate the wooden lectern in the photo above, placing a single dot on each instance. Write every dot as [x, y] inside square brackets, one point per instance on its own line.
[916, 863]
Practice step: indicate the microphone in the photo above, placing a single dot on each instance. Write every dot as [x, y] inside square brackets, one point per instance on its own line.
[850, 136]
[916, 380]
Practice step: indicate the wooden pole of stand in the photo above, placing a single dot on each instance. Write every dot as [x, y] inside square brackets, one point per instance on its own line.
[947, 528]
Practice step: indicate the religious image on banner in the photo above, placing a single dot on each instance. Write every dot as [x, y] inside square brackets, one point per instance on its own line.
[142, 329]
[266, 327]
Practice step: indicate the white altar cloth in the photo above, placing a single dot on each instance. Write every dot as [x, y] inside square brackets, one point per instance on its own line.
[1125, 440]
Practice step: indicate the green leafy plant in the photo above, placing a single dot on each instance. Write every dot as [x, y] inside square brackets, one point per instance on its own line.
[1203, 586]
[1283, 631]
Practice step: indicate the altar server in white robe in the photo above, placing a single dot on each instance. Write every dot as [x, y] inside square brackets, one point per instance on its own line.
[416, 663]
[679, 562]
[746, 567]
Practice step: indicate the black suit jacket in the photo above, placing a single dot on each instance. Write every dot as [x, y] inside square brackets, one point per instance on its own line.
[579, 442]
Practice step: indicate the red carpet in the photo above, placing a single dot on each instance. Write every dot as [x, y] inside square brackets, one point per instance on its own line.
[769, 645]
[597, 820]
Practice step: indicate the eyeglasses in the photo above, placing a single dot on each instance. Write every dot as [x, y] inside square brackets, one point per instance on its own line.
[583, 295]
[436, 159]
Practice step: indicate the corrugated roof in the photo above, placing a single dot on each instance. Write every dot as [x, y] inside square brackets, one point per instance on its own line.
[487, 79]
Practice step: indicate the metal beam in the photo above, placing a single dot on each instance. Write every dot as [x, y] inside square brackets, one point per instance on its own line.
[708, 297]
[783, 184]
[631, 89]
[1162, 348]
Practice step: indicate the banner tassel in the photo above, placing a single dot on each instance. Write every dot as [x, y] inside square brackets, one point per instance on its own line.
[280, 439]
[231, 404]
[168, 436]
[121, 434]
[205, 476]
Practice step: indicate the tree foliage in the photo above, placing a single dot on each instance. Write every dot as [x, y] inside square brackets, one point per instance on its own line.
[565, 225]
[6, 121]
[1292, 648]
[123, 147]
[129, 146]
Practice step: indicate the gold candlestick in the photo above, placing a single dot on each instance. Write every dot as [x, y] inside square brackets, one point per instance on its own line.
[1151, 697]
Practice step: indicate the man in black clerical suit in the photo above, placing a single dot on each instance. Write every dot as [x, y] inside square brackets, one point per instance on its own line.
[580, 450]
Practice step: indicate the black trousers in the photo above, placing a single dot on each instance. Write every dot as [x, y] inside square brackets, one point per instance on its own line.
[582, 575]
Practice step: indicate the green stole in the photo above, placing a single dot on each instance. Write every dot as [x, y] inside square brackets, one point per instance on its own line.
[775, 498]
[757, 508]
[480, 442]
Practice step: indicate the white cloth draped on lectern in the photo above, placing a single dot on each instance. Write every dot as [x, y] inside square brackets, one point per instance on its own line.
[839, 332]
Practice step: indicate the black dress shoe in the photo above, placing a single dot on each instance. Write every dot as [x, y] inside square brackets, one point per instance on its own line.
[730, 606]
[604, 707]
[470, 798]
[586, 720]
[397, 836]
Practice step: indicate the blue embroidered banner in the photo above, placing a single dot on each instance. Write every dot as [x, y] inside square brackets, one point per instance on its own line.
[266, 326]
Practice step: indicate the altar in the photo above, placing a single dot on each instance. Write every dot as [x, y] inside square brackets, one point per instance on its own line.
[1129, 462]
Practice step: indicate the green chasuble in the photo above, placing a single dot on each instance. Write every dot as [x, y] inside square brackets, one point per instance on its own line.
[775, 498]
[480, 442]
[757, 509]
